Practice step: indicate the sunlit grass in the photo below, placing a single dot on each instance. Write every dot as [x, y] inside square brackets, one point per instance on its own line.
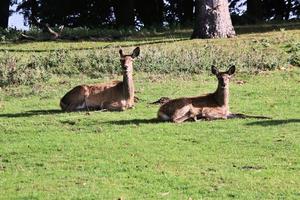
[46, 154]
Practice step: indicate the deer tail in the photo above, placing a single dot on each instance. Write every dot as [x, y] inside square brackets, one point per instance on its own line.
[244, 116]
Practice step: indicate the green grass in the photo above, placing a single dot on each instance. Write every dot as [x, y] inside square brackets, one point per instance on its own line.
[46, 154]
[31, 63]
[48, 46]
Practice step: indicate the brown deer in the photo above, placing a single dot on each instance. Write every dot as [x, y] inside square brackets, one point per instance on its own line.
[113, 96]
[210, 106]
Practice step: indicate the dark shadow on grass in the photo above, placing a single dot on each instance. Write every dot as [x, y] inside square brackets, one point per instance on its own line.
[273, 122]
[31, 113]
[267, 27]
[135, 121]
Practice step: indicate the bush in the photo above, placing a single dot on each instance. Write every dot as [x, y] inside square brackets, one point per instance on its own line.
[294, 51]
[14, 72]
[9, 34]
[189, 57]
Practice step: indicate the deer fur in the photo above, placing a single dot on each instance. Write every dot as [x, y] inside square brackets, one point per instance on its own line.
[210, 106]
[113, 96]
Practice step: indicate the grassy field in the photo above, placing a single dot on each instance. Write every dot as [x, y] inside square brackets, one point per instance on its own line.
[36, 62]
[47, 154]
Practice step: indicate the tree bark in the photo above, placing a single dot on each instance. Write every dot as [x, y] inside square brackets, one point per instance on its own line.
[212, 19]
[4, 13]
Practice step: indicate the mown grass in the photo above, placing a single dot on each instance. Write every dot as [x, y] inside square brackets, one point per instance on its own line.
[46, 154]
[50, 46]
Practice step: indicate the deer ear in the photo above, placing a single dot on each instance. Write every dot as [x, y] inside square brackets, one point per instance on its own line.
[214, 70]
[121, 52]
[136, 52]
[231, 70]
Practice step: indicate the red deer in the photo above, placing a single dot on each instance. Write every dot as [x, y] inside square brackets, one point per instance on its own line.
[210, 106]
[113, 96]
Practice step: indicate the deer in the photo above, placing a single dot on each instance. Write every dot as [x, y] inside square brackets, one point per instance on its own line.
[211, 106]
[112, 96]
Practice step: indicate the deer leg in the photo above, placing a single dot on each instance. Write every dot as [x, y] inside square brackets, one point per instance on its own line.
[194, 113]
[136, 99]
[182, 118]
[213, 116]
[181, 114]
[80, 105]
[115, 107]
[190, 113]
[86, 105]
[186, 117]
[71, 108]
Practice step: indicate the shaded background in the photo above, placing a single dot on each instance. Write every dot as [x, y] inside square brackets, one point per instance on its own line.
[139, 14]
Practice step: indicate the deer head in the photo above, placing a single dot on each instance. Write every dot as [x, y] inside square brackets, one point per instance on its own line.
[223, 77]
[126, 60]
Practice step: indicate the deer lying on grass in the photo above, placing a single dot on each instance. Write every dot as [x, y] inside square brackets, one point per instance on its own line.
[113, 96]
[210, 106]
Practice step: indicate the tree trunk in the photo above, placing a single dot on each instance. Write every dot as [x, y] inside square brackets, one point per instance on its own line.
[4, 13]
[33, 7]
[187, 7]
[212, 19]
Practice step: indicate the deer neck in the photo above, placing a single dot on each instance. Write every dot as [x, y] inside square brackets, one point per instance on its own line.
[222, 96]
[128, 87]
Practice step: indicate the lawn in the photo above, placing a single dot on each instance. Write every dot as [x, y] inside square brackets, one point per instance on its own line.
[48, 154]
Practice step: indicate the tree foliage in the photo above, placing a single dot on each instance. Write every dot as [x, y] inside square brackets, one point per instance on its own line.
[5, 12]
[126, 13]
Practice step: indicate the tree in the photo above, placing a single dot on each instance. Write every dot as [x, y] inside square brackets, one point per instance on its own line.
[212, 19]
[277, 9]
[4, 13]
[179, 11]
[150, 12]
[254, 10]
[187, 14]
[124, 12]
[29, 8]
[263, 10]
[280, 9]
[71, 13]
